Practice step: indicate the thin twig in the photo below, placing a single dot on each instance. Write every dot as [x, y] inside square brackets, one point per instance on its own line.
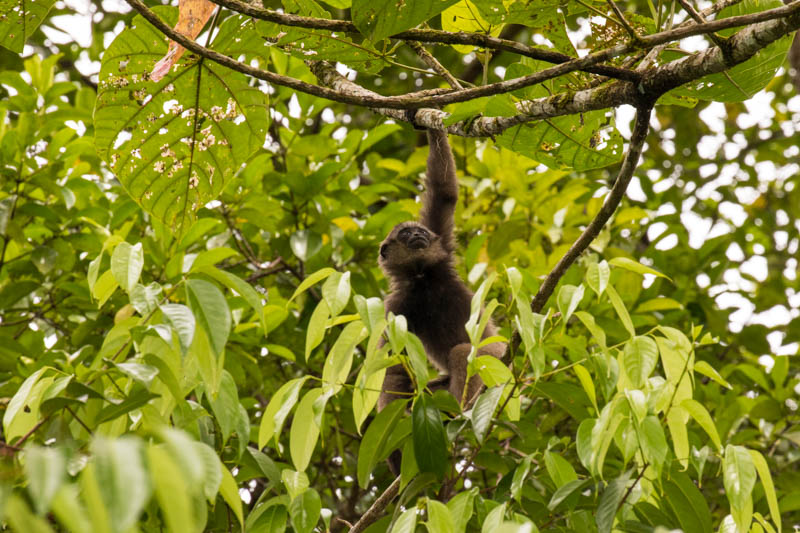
[433, 63]
[609, 206]
[376, 509]
[625, 24]
[689, 8]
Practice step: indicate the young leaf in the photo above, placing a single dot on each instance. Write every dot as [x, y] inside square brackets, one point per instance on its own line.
[316, 327]
[597, 275]
[340, 359]
[336, 291]
[569, 296]
[45, 470]
[635, 266]
[127, 262]
[278, 408]
[182, 321]
[702, 417]
[640, 358]
[311, 280]
[739, 478]
[305, 430]
[440, 520]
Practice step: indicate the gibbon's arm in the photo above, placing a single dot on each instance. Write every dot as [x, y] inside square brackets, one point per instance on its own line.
[441, 189]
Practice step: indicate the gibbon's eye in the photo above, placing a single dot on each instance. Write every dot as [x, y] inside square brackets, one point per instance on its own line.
[384, 247]
[404, 232]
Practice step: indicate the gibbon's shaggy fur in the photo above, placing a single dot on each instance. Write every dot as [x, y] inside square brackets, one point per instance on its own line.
[425, 288]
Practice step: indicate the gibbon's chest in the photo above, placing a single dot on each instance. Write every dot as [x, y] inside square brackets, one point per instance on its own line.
[436, 312]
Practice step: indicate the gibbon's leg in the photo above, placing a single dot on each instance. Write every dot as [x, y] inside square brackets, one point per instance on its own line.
[396, 380]
[457, 367]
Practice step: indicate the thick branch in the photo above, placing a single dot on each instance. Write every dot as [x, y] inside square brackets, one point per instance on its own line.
[494, 43]
[609, 206]
[376, 509]
[743, 45]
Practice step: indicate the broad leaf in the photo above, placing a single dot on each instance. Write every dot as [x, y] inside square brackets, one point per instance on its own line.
[174, 144]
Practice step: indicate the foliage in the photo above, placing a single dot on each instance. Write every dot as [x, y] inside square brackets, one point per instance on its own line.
[190, 312]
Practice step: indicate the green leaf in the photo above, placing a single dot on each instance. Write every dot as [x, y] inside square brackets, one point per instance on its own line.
[126, 264]
[580, 143]
[304, 511]
[182, 321]
[739, 478]
[20, 20]
[316, 327]
[21, 519]
[461, 508]
[597, 275]
[569, 296]
[596, 331]
[418, 359]
[483, 411]
[559, 469]
[305, 429]
[172, 491]
[121, 474]
[305, 244]
[517, 482]
[138, 397]
[372, 444]
[225, 405]
[492, 371]
[240, 286]
[212, 470]
[144, 298]
[45, 470]
[230, 493]
[653, 442]
[440, 520]
[430, 443]
[211, 312]
[267, 518]
[406, 522]
[609, 502]
[635, 266]
[588, 385]
[639, 358]
[17, 420]
[340, 359]
[702, 417]
[379, 19]
[174, 144]
[687, 503]
[622, 311]
[336, 291]
[707, 370]
[744, 80]
[104, 288]
[769, 487]
[311, 280]
[278, 408]
[295, 482]
[494, 519]
[565, 491]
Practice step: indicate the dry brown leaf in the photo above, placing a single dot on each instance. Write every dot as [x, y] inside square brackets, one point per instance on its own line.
[192, 16]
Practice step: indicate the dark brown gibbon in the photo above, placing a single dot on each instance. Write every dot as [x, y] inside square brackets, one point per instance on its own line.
[417, 257]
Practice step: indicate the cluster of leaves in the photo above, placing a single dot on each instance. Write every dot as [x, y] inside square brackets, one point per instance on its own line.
[177, 354]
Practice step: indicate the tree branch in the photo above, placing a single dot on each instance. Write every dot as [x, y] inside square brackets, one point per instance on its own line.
[376, 509]
[609, 206]
[423, 35]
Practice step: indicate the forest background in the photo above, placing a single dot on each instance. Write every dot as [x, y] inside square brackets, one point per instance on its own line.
[190, 300]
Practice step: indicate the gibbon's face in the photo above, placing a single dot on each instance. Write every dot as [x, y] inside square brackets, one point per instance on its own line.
[410, 245]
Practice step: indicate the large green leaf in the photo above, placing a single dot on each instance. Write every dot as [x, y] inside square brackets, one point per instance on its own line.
[378, 19]
[174, 144]
[746, 79]
[578, 142]
[19, 20]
